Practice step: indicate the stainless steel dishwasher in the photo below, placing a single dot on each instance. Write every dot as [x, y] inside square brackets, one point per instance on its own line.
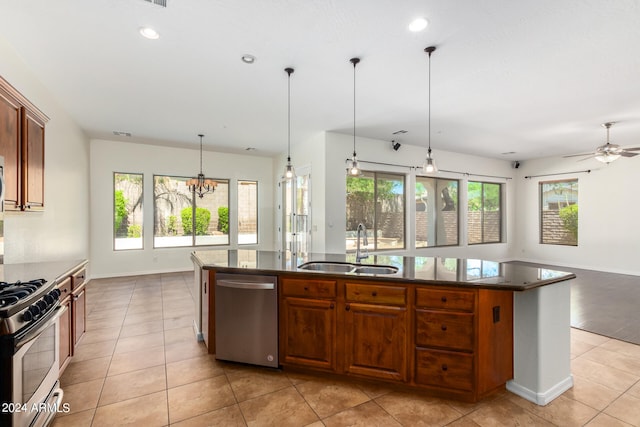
[246, 318]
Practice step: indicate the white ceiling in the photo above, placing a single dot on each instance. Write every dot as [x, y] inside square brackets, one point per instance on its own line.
[534, 77]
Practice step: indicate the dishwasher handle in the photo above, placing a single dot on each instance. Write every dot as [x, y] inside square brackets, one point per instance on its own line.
[237, 284]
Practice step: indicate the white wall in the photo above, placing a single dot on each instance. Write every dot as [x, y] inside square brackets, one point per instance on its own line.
[61, 232]
[108, 157]
[608, 228]
[339, 147]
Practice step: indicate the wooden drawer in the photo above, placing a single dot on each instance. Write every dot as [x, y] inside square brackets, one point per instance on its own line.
[444, 369]
[77, 279]
[440, 329]
[445, 299]
[376, 294]
[309, 288]
[65, 288]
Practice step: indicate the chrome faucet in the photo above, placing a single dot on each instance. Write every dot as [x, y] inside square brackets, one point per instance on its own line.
[365, 253]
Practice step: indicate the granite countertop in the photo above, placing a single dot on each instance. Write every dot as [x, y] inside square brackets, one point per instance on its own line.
[50, 271]
[473, 273]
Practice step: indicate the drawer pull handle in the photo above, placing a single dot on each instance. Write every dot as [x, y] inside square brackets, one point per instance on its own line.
[443, 327]
[374, 294]
[445, 367]
[443, 299]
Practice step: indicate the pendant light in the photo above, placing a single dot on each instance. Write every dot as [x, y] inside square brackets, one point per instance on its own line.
[353, 168]
[429, 165]
[201, 185]
[289, 172]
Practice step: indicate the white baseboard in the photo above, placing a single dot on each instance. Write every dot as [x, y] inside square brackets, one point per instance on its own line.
[541, 398]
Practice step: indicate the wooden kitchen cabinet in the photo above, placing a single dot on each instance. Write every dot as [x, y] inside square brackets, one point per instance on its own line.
[375, 331]
[66, 325]
[73, 322]
[450, 342]
[22, 146]
[463, 340]
[308, 323]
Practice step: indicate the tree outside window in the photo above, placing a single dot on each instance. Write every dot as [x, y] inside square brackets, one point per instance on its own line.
[559, 212]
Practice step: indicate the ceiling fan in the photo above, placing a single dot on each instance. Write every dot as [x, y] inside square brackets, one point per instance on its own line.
[608, 152]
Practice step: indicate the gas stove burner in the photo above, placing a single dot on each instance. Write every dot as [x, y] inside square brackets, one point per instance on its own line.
[11, 293]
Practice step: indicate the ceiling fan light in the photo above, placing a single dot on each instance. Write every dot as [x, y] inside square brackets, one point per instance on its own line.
[607, 157]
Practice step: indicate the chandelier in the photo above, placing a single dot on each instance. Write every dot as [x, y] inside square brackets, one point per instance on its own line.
[201, 185]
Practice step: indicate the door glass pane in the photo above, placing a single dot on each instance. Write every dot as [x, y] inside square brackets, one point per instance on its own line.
[360, 206]
[436, 203]
[127, 212]
[389, 211]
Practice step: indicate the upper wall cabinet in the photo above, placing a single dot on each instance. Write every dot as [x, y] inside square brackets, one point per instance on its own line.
[22, 146]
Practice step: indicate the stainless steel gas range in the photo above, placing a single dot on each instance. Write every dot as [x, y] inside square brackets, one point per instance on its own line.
[29, 353]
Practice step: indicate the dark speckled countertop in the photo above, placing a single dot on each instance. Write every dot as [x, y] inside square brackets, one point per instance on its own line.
[473, 273]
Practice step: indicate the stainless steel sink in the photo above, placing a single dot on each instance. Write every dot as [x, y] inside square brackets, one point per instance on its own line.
[344, 267]
[330, 267]
[376, 269]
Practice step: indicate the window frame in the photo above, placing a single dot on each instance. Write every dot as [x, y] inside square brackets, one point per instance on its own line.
[257, 212]
[458, 212]
[193, 206]
[374, 229]
[113, 211]
[482, 210]
[541, 185]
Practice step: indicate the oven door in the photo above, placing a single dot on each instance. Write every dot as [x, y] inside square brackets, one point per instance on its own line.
[35, 373]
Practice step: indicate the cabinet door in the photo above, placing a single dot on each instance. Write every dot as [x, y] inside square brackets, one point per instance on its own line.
[65, 334]
[32, 163]
[376, 341]
[79, 315]
[10, 134]
[308, 329]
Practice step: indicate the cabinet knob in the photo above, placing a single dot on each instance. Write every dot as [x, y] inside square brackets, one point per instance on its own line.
[331, 306]
[306, 288]
[374, 294]
[443, 327]
[348, 307]
[443, 299]
[444, 367]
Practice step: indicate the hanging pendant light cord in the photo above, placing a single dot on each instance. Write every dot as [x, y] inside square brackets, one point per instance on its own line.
[200, 135]
[289, 71]
[429, 51]
[354, 61]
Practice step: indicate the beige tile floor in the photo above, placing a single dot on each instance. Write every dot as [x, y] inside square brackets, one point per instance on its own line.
[139, 364]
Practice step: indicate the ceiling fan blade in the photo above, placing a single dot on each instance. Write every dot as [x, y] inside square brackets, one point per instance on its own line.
[627, 154]
[587, 158]
[578, 155]
[632, 149]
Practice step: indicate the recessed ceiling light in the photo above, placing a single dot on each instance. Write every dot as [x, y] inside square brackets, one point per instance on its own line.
[418, 24]
[149, 33]
[248, 59]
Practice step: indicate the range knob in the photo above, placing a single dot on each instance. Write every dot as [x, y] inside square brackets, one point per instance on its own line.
[42, 305]
[49, 299]
[31, 313]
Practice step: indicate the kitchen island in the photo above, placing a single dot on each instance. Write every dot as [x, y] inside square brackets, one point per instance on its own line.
[458, 328]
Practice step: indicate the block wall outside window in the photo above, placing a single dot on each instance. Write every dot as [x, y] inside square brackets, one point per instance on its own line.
[247, 212]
